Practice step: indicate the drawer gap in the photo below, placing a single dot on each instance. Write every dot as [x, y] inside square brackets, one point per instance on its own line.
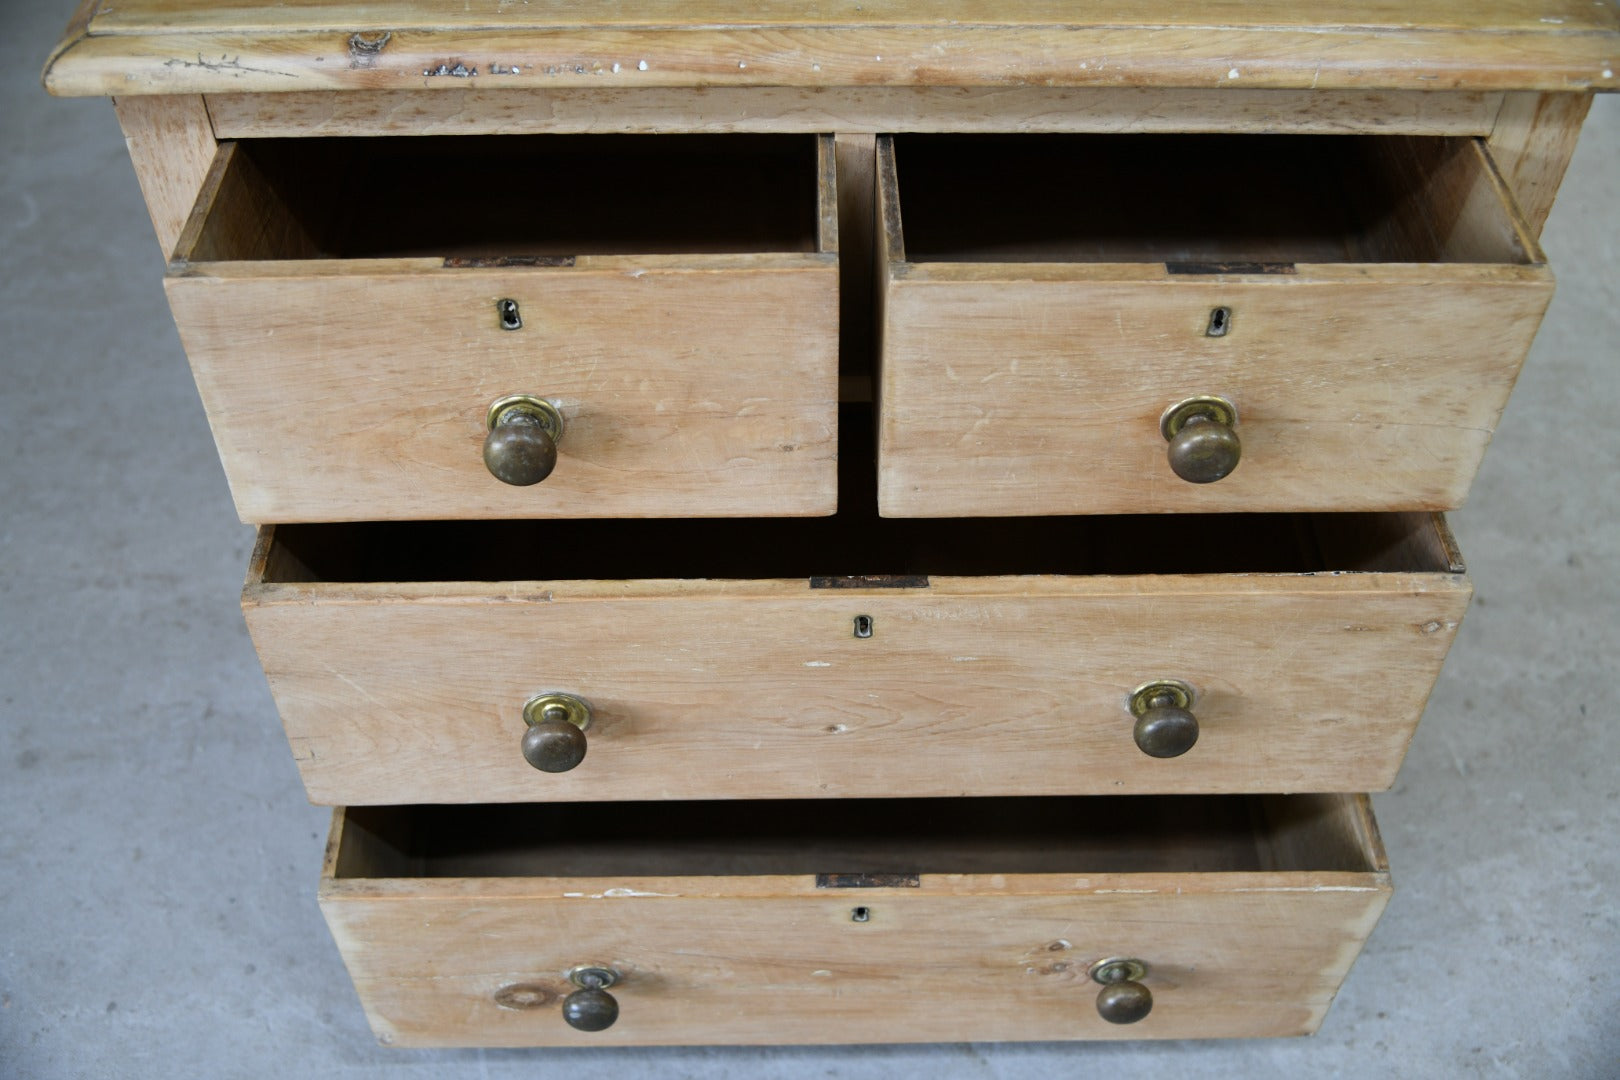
[850, 837]
[852, 546]
[1212, 199]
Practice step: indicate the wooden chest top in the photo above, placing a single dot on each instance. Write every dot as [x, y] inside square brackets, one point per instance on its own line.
[216, 46]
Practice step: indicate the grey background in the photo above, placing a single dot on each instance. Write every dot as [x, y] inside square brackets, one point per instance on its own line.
[158, 860]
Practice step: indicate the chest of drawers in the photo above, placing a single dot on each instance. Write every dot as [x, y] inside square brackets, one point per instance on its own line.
[840, 526]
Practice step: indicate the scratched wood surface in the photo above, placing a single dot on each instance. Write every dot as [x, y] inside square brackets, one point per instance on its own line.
[1532, 143]
[1230, 953]
[865, 109]
[171, 144]
[1370, 382]
[200, 46]
[690, 384]
[402, 691]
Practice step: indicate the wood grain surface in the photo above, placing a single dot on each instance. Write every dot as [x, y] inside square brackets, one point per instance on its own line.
[1532, 143]
[1038, 387]
[690, 384]
[779, 960]
[862, 109]
[198, 46]
[749, 689]
[172, 146]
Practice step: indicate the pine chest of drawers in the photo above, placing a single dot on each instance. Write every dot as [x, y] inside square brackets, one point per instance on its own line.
[897, 523]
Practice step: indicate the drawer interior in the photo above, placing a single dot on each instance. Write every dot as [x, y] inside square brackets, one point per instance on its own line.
[510, 196]
[874, 837]
[899, 550]
[1202, 199]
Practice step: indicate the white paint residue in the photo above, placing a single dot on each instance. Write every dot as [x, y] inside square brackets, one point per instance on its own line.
[642, 66]
[816, 663]
[634, 892]
[1608, 73]
[815, 67]
[963, 659]
[1305, 888]
[1146, 892]
[1555, 22]
[615, 67]
[742, 64]
[1232, 74]
[573, 894]
[823, 972]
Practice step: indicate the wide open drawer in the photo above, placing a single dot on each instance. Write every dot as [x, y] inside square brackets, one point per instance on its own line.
[354, 308]
[861, 921]
[852, 656]
[1361, 304]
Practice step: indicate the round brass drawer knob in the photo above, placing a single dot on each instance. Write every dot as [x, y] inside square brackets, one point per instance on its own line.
[591, 1007]
[555, 739]
[1123, 999]
[521, 445]
[1165, 726]
[1204, 444]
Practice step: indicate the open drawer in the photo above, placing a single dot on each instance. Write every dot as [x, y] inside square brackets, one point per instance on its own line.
[1138, 324]
[852, 656]
[360, 314]
[895, 920]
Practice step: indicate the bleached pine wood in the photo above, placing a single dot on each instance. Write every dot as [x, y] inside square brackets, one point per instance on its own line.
[413, 691]
[1532, 143]
[691, 385]
[171, 144]
[200, 46]
[851, 110]
[775, 959]
[1037, 388]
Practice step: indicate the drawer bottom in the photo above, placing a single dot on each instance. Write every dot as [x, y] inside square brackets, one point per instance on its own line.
[853, 921]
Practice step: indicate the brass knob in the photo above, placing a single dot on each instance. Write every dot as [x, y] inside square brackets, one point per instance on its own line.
[1165, 726]
[1204, 444]
[1123, 999]
[591, 1007]
[521, 446]
[555, 739]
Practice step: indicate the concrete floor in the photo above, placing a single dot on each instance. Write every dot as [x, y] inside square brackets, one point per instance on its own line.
[158, 860]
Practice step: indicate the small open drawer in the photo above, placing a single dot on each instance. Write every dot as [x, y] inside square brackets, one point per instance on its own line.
[1058, 311]
[852, 656]
[358, 311]
[889, 920]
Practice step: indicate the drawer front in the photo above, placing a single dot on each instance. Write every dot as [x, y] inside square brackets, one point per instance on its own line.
[688, 382]
[1048, 387]
[416, 692]
[791, 958]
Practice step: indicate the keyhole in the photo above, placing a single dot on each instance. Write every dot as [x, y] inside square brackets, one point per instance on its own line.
[510, 319]
[863, 626]
[861, 914]
[1220, 320]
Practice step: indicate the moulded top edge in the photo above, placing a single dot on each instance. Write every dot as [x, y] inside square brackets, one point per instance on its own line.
[208, 46]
